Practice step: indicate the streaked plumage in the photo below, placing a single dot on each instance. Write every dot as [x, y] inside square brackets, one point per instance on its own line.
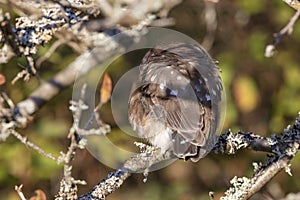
[173, 101]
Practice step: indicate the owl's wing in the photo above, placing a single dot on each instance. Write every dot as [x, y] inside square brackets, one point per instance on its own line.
[184, 116]
[189, 122]
[171, 80]
[176, 102]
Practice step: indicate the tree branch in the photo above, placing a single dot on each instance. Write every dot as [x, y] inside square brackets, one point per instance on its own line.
[42, 30]
[283, 148]
[288, 29]
[138, 163]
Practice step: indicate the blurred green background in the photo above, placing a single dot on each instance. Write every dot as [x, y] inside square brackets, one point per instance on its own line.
[263, 96]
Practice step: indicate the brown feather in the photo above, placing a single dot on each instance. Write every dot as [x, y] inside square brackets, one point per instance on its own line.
[173, 99]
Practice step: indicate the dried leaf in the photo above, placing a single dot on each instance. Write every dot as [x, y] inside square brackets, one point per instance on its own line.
[2, 79]
[39, 195]
[106, 88]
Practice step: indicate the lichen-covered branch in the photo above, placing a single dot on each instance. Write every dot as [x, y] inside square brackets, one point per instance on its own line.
[31, 145]
[68, 185]
[83, 26]
[284, 148]
[230, 142]
[26, 108]
[86, 25]
[141, 162]
[293, 3]
[69, 19]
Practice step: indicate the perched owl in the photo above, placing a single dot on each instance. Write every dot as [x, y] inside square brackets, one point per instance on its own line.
[174, 103]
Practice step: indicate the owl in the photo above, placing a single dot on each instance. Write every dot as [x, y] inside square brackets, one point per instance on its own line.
[175, 101]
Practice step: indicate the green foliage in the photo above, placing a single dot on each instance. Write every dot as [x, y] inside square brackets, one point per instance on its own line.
[253, 6]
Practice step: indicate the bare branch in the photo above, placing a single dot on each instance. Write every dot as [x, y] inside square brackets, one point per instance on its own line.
[67, 18]
[51, 50]
[25, 141]
[137, 163]
[68, 185]
[288, 29]
[284, 149]
[231, 142]
[64, 78]
[293, 3]
[19, 191]
[7, 32]
[104, 49]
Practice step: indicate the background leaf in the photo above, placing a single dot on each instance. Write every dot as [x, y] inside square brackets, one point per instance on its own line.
[106, 88]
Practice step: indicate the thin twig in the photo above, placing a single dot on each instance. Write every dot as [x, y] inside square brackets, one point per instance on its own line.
[288, 29]
[50, 51]
[138, 163]
[19, 191]
[293, 3]
[25, 141]
[68, 185]
[22, 74]
[284, 148]
[9, 102]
